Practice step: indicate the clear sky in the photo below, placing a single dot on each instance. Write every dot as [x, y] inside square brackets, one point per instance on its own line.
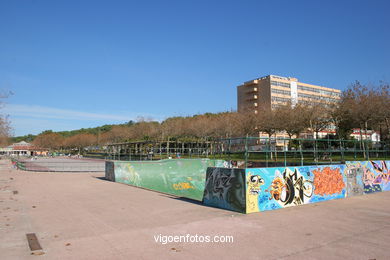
[74, 64]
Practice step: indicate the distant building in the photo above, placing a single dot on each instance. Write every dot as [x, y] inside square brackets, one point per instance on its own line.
[370, 135]
[22, 149]
[271, 91]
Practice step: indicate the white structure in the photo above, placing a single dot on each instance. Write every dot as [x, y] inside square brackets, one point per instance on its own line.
[370, 135]
[22, 149]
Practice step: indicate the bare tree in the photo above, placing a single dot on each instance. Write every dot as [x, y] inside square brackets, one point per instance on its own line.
[80, 141]
[292, 119]
[49, 140]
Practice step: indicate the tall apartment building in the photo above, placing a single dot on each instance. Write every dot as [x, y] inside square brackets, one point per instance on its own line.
[271, 91]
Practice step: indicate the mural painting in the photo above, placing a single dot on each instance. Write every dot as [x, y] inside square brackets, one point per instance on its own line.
[354, 177]
[253, 189]
[275, 188]
[375, 175]
[110, 175]
[180, 177]
[225, 188]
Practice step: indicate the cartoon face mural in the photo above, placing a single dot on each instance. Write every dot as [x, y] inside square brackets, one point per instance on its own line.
[291, 188]
[382, 172]
[368, 181]
[254, 183]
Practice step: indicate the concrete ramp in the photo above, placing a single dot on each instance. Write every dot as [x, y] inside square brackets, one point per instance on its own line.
[179, 177]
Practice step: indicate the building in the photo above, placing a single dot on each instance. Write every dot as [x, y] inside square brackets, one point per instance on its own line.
[271, 91]
[370, 135]
[22, 149]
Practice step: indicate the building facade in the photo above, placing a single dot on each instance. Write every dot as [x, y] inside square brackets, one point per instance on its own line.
[271, 91]
[23, 149]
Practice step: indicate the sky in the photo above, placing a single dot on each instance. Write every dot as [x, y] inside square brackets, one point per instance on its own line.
[79, 64]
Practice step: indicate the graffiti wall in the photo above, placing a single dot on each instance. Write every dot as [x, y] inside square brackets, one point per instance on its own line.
[110, 175]
[180, 177]
[371, 176]
[225, 188]
[253, 189]
[274, 188]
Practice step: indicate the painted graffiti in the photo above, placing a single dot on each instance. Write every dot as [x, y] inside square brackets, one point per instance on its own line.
[354, 180]
[375, 175]
[184, 177]
[286, 187]
[291, 188]
[225, 188]
[328, 181]
[254, 183]
[369, 181]
[182, 186]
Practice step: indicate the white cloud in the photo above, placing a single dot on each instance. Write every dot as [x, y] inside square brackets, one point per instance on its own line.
[33, 119]
[56, 113]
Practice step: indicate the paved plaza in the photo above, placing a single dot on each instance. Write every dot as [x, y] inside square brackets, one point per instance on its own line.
[83, 216]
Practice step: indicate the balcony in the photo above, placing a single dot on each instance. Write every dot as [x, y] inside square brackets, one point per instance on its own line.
[252, 91]
[252, 98]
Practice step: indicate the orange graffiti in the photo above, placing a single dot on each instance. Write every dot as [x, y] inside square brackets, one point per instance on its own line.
[328, 181]
[276, 188]
[182, 186]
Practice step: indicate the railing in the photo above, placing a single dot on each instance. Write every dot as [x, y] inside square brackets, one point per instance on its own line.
[284, 151]
[262, 152]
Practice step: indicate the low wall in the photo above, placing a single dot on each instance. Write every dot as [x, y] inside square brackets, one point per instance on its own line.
[281, 187]
[225, 188]
[179, 177]
[366, 177]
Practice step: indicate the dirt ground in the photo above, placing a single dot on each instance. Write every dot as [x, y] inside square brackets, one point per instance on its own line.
[83, 216]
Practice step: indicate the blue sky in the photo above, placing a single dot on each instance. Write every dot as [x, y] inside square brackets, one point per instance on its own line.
[74, 64]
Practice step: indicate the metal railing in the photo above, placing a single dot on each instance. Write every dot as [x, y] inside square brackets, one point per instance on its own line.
[285, 151]
[262, 152]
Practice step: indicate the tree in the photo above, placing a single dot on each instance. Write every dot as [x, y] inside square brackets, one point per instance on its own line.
[318, 115]
[49, 140]
[117, 134]
[80, 141]
[292, 119]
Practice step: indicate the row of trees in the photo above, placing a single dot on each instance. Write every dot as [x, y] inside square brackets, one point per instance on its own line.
[363, 107]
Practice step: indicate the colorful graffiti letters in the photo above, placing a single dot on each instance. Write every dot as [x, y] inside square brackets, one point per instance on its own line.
[292, 188]
[328, 181]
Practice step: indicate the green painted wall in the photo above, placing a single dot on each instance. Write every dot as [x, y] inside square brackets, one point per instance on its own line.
[180, 177]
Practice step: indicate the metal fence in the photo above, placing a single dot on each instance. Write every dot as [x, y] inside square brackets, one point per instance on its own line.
[256, 151]
[285, 151]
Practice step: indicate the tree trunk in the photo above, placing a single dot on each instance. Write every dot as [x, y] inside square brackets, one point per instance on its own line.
[269, 145]
[362, 143]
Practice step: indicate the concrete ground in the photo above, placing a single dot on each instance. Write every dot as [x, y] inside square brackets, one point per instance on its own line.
[82, 216]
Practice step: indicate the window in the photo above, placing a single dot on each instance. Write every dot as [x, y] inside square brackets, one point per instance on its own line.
[278, 91]
[320, 91]
[280, 84]
[279, 99]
